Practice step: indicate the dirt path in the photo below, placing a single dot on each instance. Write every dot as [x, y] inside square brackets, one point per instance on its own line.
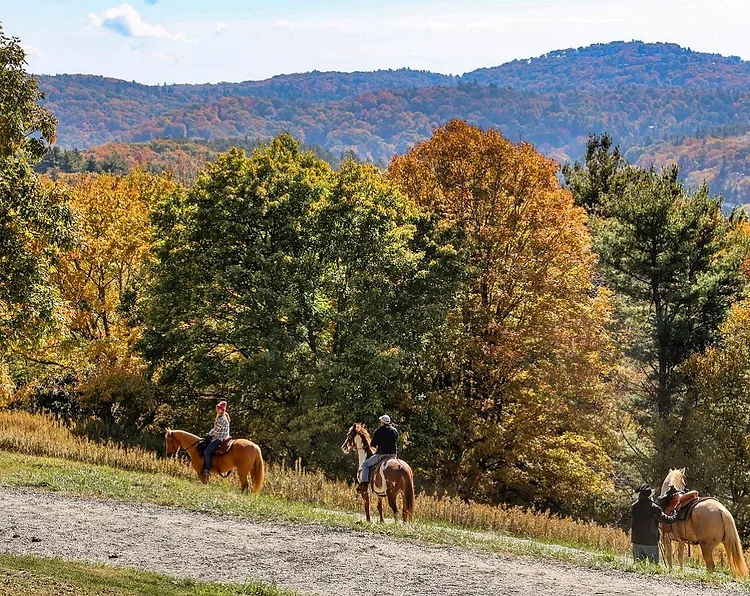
[312, 559]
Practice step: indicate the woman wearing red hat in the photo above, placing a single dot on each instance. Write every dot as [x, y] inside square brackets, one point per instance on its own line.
[219, 432]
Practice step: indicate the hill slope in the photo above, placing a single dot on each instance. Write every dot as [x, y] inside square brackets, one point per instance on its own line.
[640, 93]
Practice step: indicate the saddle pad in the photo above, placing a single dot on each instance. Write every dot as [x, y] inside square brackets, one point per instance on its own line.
[377, 477]
[684, 512]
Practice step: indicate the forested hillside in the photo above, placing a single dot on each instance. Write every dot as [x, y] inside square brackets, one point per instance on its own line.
[642, 94]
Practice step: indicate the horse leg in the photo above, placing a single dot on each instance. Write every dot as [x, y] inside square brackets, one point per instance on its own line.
[708, 555]
[380, 509]
[366, 501]
[666, 543]
[681, 555]
[242, 473]
[392, 503]
[243, 469]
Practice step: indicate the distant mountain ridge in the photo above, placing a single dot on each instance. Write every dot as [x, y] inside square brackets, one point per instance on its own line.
[629, 63]
[640, 93]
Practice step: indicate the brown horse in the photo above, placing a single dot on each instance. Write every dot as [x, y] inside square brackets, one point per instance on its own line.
[709, 524]
[243, 455]
[388, 478]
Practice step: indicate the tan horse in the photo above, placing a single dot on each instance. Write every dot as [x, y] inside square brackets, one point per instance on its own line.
[709, 524]
[387, 479]
[243, 455]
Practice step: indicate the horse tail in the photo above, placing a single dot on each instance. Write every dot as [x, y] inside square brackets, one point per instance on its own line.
[733, 546]
[409, 494]
[258, 471]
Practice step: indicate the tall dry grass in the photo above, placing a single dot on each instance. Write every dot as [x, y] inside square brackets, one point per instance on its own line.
[35, 434]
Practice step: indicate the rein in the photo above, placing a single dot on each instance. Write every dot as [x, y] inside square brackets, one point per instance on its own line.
[181, 446]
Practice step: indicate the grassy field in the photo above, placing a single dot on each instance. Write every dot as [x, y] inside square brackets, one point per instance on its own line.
[38, 576]
[39, 453]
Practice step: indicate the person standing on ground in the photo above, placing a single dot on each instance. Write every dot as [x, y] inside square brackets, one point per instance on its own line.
[645, 517]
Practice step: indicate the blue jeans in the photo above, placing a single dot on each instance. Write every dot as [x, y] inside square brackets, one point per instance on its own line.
[643, 551]
[212, 446]
[369, 463]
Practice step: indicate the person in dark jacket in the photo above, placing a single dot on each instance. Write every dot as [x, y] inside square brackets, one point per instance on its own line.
[385, 441]
[645, 517]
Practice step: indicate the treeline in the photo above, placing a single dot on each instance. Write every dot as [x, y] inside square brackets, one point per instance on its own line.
[536, 343]
[181, 159]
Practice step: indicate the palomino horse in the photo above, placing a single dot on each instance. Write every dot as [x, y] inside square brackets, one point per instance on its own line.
[243, 455]
[709, 523]
[387, 478]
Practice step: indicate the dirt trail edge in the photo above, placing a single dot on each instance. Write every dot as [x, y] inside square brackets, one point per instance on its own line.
[310, 558]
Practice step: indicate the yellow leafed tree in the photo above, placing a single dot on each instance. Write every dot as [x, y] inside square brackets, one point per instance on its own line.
[100, 280]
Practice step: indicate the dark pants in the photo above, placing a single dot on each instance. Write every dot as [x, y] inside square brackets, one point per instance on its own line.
[642, 552]
[212, 446]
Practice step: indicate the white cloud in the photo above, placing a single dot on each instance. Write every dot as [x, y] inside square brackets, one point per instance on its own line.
[126, 21]
[32, 50]
[167, 58]
[219, 28]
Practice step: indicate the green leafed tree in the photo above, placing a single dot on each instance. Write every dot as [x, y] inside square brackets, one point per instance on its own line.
[300, 294]
[599, 175]
[35, 221]
[675, 261]
[718, 389]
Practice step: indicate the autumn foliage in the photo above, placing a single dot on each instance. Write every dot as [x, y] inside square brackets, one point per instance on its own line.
[524, 377]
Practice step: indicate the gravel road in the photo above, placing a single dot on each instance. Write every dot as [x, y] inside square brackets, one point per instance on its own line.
[309, 558]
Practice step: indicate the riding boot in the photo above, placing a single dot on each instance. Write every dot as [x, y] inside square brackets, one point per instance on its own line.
[362, 487]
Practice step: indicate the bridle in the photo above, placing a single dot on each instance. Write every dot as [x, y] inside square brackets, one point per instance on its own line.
[171, 445]
[350, 442]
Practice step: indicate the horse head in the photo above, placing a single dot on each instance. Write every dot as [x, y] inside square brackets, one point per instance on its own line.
[173, 445]
[357, 431]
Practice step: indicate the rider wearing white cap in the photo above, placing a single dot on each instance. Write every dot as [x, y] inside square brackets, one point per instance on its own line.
[385, 440]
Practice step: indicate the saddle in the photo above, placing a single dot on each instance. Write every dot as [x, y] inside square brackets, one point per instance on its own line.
[678, 500]
[681, 501]
[224, 447]
[377, 479]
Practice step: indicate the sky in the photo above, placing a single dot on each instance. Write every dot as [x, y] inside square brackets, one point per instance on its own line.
[200, 41]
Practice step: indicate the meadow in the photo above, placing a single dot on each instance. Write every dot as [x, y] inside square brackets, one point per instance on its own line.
[40, 452]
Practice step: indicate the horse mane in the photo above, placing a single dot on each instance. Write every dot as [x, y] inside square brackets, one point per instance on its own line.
[362, 430]
[675, 478]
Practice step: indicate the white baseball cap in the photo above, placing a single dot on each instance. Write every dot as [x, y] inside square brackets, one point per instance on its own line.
[385, 419]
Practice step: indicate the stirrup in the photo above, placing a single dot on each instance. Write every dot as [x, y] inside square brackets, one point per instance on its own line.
[362, 487]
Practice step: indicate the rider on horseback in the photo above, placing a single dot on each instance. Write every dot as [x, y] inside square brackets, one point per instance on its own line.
[218, 433]
[385, 440]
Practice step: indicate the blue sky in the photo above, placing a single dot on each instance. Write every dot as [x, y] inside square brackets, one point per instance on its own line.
[195, 41]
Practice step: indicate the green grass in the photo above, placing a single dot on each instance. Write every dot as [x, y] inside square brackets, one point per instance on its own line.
[41, 576]
[77, 478]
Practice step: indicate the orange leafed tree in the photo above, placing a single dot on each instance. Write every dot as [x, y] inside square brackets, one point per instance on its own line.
[524, 381]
